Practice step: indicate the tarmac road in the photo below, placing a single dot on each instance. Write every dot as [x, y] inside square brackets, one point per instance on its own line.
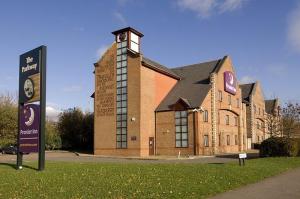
[283, 186]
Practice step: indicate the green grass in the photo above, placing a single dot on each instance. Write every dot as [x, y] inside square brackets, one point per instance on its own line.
[113, 180]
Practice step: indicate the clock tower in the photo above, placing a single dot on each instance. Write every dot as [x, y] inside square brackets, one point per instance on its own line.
[131, 37]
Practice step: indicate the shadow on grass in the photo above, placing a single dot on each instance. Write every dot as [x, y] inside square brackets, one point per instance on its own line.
[14, 166]
[236, 156]
[217, 163]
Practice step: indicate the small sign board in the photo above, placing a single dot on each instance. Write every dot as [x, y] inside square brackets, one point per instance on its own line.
[242, 155]
[29, 128]
[29, 73]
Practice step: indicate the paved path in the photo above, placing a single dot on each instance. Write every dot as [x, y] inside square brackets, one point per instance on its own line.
[283, 186]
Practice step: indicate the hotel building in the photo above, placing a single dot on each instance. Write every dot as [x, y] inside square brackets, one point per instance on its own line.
[143, 108]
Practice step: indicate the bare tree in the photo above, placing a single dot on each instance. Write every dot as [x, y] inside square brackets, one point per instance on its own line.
[273, 125]
[290, 120]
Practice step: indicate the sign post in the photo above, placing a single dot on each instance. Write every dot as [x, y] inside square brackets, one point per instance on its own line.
[32, 105]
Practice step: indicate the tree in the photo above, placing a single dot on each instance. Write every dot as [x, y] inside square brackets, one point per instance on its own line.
[290, 120]
[274, 125]
[53, 139]
[76, 129]
[8, 119]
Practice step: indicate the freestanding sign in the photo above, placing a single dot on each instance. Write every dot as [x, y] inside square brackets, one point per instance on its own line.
[32, 105]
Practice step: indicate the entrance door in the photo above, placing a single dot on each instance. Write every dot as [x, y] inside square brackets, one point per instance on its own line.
[151, 145]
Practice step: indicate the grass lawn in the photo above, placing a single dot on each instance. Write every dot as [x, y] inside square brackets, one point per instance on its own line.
[113, 180]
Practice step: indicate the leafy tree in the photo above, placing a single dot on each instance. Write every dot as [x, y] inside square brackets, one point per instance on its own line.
[8, 119]
[53, 139]
[76, 129]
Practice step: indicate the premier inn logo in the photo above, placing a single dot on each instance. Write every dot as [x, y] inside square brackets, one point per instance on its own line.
[29, 65]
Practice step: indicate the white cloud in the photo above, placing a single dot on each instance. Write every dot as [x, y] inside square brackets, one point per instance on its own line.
[293, 32]
[246, 79]
[120, 18]
[101, 51]
[72, 89]
[52, 113]
[205, 8]
[230, 5]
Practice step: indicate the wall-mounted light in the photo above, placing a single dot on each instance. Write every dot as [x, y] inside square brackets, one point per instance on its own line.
[133, 119]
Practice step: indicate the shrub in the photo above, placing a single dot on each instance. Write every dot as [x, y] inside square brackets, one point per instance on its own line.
[277, 146]
[298, 141]
[256, 146]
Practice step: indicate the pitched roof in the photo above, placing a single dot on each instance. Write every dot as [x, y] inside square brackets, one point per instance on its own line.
[158, 67]
[193, 86]
[270, 105]
[246, 91]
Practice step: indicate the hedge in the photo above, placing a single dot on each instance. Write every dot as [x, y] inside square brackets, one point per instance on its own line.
[278, 146]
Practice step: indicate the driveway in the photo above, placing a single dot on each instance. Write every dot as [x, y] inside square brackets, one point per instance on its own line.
[75, 157]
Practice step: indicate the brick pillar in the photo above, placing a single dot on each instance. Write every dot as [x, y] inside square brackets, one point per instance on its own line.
[241, 132]
[252, 123]
[213, 113]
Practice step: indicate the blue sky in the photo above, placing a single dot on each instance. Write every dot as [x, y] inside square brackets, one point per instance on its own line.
[262, 38]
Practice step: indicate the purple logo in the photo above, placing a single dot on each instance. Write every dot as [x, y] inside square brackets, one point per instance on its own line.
[29, 128]
[230, 82]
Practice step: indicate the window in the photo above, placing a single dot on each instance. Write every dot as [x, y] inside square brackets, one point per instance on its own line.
[258, 111]
[228, 139]
[220, 139]
[134, 43]
[205, 116]
[235, 121]
[254, 108]
[235, 139]
[121, 136]
[257, 124]
[181, 128]
[227, 119]
[220, 96]
[238, 102]
[206, 140]
[229, 99]
[258, 140]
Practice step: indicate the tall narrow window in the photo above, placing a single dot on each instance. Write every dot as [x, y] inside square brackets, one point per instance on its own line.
[235, 139]
[206, 142]
[228, 139]
[254, 108]
[121, 91]
[205, 116]
[238, 103]
[227, 119]
[229, 99]
[220, 96]
[235, 121]
[181, 128]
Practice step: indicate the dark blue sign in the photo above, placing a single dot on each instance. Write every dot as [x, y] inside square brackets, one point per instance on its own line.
[29, 75]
